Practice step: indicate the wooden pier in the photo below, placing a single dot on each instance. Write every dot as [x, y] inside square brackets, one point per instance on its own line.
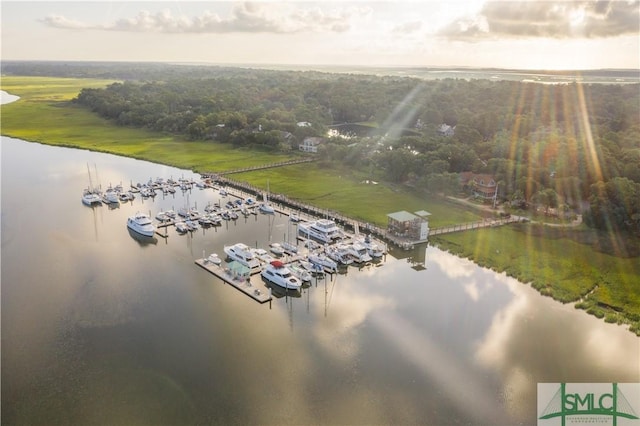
[252, 286]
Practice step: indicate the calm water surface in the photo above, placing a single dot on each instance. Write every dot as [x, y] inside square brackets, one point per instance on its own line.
[99, 328]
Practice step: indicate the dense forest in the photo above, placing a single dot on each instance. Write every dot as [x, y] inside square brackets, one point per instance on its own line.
[560, 148]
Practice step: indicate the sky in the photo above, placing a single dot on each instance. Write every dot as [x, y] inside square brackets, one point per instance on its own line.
[541, 34]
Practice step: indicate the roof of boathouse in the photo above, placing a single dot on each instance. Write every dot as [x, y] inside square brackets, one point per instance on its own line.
[422, 213]
[402, 216]
[405, 216]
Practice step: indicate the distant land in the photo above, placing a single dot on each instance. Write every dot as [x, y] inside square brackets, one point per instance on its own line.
[603, 76]
[592, 76]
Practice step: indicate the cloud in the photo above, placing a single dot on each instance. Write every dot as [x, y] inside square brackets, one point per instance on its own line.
[549, 19]
[244, 18]
[58, 21]
[407, 28]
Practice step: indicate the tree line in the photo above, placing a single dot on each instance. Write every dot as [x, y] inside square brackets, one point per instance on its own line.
[556, 146]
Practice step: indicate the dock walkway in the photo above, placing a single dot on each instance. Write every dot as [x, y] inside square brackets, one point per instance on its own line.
[252, 287]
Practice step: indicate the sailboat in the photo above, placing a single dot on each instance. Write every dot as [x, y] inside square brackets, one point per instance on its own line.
[265, 207]
[90, 195]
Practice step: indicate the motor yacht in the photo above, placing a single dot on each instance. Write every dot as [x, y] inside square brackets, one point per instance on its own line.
[358, 251]
[323, 230]
[277, 273]
[141, 224]
[241, 253]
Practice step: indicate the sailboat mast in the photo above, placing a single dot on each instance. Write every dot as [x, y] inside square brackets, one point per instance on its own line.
[97, 178]
[90, 182]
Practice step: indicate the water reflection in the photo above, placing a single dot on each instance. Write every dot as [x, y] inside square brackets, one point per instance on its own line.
[97, 325]
[143, 240]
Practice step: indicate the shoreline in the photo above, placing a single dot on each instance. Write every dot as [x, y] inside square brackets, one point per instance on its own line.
[7, 98]
[627, 322]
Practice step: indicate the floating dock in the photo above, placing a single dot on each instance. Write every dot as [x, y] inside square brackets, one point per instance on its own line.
[260, 295]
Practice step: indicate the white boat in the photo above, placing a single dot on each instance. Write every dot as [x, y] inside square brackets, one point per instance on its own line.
[192, 225]
[289, 247]
[210, 208]
[182, 227]
[266, 208]
[375, 250]
[339, 254]
[212, 219]
[250, 201]
[110, 196]
[241, 253]
[323, 261]
[357, 250]
[141, 224]
[91, 195]
[263, 255]
[276, 248]
[91, 198]
[162, 216]
[323, 230]
[214, 258]
[277, 273]
[311, 245]
[294, 217]
[126, 196]
[299, 272]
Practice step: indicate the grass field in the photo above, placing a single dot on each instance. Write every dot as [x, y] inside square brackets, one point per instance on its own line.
[566, 267]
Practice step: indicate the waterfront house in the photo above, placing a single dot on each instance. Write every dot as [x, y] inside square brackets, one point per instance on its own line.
[310, 144]
[481, 185]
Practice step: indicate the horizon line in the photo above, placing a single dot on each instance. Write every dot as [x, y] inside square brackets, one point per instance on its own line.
[365, 66]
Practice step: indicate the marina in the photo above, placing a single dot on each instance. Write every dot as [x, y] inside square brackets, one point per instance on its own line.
[132, 325]
[311, 246]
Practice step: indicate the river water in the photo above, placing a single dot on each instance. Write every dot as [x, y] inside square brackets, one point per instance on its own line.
[99, 328]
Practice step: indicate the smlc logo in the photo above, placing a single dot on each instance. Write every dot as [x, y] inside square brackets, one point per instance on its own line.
[588, 404]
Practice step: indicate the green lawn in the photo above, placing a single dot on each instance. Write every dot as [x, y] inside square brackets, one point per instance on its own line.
[45, 114]
[344, 191]
[565, 266]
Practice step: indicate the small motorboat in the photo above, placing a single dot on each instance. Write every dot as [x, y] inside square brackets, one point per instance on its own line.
[182, 227]
[276, 248]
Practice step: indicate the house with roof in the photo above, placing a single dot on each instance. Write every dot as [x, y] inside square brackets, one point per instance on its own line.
[310, 144]
[481, 185]
[446, 130]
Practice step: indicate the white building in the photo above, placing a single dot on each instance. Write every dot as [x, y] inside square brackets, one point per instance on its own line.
[310, 144]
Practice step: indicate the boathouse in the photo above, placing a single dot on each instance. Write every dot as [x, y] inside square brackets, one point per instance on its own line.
[413, 226]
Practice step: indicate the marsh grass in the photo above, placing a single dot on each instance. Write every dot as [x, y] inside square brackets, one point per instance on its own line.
[564, 268]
